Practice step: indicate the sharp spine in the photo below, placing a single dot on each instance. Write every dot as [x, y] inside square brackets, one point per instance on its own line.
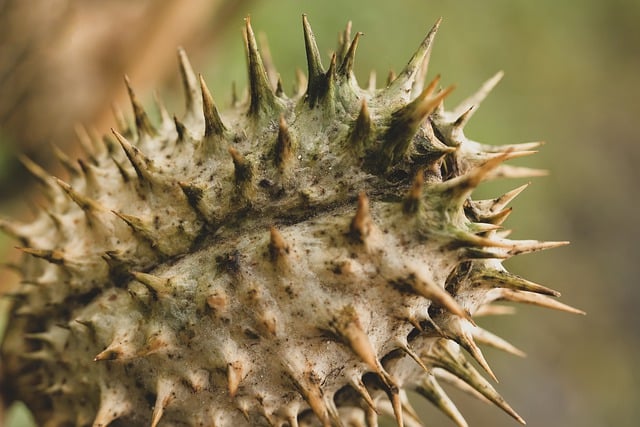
[431, 390]
[143, 124]
[284, 146]
[346, 67]
[362, 223]
[189, 83]
[141, 164]
[404, 124]
[213, 126]
[262, 101]
[403, 83]
[316, 72]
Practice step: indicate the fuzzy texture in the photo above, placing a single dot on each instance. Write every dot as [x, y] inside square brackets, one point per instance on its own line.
[301, 259]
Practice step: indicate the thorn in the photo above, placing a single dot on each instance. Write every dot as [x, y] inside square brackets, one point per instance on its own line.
[344, 39]
[404, 82]
[112, 352]
[268, 323]
[346, 67]
[361, 389]
[53, 256]
[90, 175]
[404, 124]
[13, 229]
[346, 325]
[194, 194]
[433, 292]
[452, 380]
[396, 404]
[283, 146]
[461, 331]
[65, 161]
[121, 121]
[391, 77]
[362, 223]
[371, 86]
[485, 337]
[136, 223]
[218, 301]
[160, 341]
[504, 279]
[279, 90]
[38, 173]
[123, 172]
[501, 202]
[494, 310]
[412, 201]
[527, 246]
[509, 171]
[327, 91]
[536, 299]
[455, 363]
[309, 388]
[463, 119]
[412, 354]
[267, 60]
[235, 374]
[89, 141]
[213, 125]
[470, 105]
[165, 394]
[181, 129]
[362, 128]
[142, 165]
[458, 189]
[407, 408]
[462, 238]
[189, 83]
[143, 125]
[243, 171]
[114, 403]
[316, 71]
[87, 204]
[158, 285]
[262, 99]
[278, 248]
[429, 388]
[162, 109]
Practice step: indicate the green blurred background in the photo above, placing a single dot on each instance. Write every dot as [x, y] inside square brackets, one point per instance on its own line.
[571, 79]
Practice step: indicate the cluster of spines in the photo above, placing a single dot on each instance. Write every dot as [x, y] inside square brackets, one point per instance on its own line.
[382, 146]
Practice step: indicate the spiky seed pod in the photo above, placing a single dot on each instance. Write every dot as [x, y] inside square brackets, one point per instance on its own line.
[300, 260]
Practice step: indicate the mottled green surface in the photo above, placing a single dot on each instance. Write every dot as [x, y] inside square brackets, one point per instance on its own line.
[571, 80]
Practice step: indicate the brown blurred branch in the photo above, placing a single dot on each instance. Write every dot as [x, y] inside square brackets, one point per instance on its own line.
[62, 61]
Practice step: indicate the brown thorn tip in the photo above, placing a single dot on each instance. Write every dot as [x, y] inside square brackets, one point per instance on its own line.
[362, 223]
[213, 123]
[278, 247]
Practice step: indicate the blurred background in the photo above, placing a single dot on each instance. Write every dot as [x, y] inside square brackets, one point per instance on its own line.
[571, 79]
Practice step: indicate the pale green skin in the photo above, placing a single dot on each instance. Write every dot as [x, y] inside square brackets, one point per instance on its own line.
[233, 324]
